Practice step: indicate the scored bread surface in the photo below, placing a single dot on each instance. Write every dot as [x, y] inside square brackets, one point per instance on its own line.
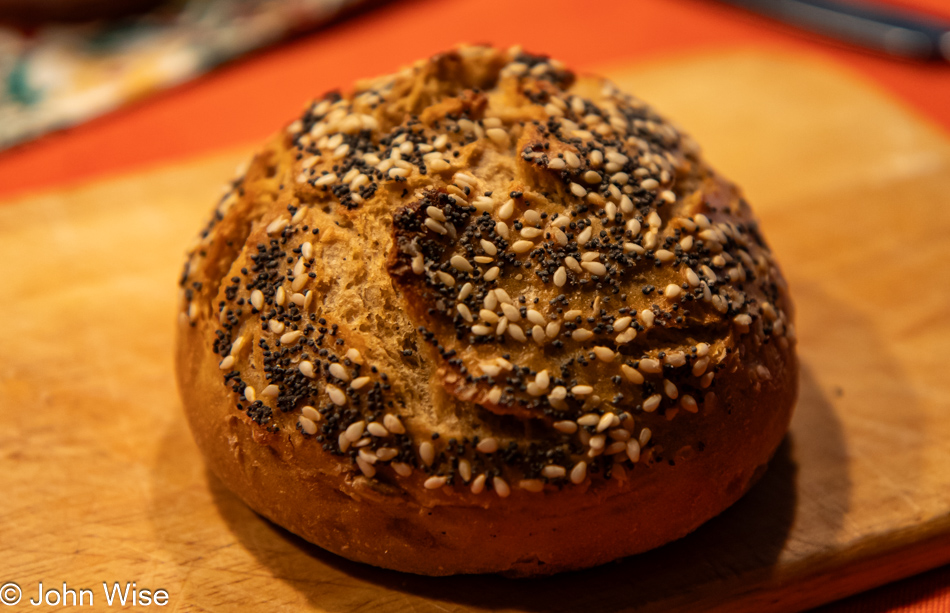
[485, 315]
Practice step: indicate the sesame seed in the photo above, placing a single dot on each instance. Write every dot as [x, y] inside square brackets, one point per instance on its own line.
[675, 358]
[249, 394]
[552, 329]
[478, 485]
[445, 278]
[337, 370]
[522, 246]
[386, 453]
[275, 326]
[592, 177]
[632, 375]
[573, 264]
[633, 450]
[368, 455]
[435, 226]
[481, 330]
[604, 354]
[565, 426]
[531, 485]
[542, 379]
[489, 247]
[507, 209]
[588, 419]
[645, 436]
[326, 179]
[306, 368]
[579, 473]
[435, 213]
[393, 424]
[311, 413]
[552, 471]
[595, 268]
[649, 365]
[489, 316]
[581, 335]
[619, 434]
[272, 391]
[257, 299]
[652, 403]
[672, 291]
[460, 263]
[465, 312]
[427, 453]
[689, 404]
[511, 312]
[365, 467]
[377, 429]
[277, 225]
[434, 483]
[582, 390]
[742, 320]
[402, 469]
[494, 395]
[307, 425]
[665, 256]
[354, 431]
[557, 164]
[597, 442]
[607, 420]
[646, 318]
[497, 135]
[487, 445]
[669, 388]
[465, 470]
[577, 190]
[572, 160]
[584, 237]
[501, 487]
[290, 338]
[336, 395]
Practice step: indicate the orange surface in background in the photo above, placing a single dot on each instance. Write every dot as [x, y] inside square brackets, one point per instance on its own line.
[242, 103]
[245, 101]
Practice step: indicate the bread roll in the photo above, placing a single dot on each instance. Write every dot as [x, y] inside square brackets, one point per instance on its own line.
[484, 315]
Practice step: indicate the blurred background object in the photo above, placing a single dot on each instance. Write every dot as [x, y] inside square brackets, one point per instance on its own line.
[31, 12]
[54, 75]
[892, 30]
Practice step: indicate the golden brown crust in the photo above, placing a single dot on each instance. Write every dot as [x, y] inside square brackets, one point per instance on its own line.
[484, 316]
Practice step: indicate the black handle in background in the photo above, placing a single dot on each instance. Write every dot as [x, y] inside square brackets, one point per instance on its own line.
[890, 30]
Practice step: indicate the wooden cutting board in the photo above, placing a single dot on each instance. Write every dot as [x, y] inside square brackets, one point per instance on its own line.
[102, 481]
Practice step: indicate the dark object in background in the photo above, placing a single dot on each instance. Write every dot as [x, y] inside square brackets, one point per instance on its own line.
[33, 12]
[894, 31]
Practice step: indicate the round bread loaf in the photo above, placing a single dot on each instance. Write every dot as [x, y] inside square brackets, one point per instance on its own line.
[484, 315]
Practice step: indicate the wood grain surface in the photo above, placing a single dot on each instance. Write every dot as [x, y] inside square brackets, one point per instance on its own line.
[102, 482]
